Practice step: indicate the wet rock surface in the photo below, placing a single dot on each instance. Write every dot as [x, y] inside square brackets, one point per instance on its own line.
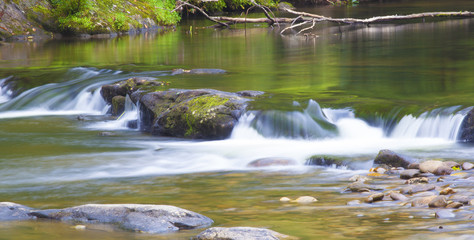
[197, 114]
[14, 212]
[239, 233]
[133, 217]
[393, 159]
[433, 189]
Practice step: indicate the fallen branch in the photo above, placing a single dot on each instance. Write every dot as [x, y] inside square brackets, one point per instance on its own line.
[304, 18]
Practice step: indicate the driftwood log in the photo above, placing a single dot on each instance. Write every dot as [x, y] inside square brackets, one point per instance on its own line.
[308, 21]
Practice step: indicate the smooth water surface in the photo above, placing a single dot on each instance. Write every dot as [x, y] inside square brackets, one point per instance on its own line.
[404, 87]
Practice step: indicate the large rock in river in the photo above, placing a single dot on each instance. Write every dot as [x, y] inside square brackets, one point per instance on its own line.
[135, 217]
[200, 113]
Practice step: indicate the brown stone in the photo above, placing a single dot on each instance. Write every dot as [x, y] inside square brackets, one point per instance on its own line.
[409, 173]
[447, 191]
[397, 196]
[417, 188]
[422, 201]
[374, 198]
[438, 202]
[454, 205]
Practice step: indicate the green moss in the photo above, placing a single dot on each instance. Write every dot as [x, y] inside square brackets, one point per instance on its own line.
[201, 109]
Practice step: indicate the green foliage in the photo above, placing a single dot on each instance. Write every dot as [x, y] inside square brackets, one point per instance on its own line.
[232, 5]
[95, 16]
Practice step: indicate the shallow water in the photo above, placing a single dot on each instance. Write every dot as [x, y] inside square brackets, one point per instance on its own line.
[402, 87]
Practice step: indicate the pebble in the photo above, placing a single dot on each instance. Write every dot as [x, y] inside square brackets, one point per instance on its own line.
[397, 196]
[358, 178]
[447, 191]
[454, 205]
[374, 198]
[417, 188]
[422, 201]
[409, 173]
[284, 199]
[306, 199]
[417, 180]
[467, 166]
[80, 227]
[353, 202]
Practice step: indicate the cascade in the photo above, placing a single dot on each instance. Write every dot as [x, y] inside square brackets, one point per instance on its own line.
[5, 92]
[439, 123]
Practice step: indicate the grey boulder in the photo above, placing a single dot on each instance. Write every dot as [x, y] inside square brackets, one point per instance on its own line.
[14, 212]
[135, 217]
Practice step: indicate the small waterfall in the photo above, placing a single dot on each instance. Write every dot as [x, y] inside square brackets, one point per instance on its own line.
[78, 93]
[439, 123]
[309, 124]
[5, 92]
[129, 115]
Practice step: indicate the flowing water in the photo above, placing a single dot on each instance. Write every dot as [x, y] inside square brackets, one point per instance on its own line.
[404, 87]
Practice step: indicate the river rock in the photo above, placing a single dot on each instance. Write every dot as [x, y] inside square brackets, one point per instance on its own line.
[435, 167]
[306, 199]
[127, 87]
[392, 159]
[414, 166]
[239, 233]
[447, 191]
[267, 162]
[417, 188]
[397, 196]
[454, 205]
[14, 212]
[358, 178]
[461, 198]
[361, 187]
[444, 213]
[374, 198]
[250, 93]
[409, 173]
[422, 201]
[353, 202]
[201, 113]
[467, 166]
[438, 202]
[466, 130]
[134, 217]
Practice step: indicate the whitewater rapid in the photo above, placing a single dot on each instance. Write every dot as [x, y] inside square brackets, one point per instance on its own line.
[258, 134]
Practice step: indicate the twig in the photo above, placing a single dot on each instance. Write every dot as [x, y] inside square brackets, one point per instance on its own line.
[180, 4]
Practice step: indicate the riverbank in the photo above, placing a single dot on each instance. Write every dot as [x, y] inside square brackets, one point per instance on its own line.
[43, 19]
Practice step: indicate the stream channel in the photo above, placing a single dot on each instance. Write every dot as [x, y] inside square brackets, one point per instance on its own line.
[399, 86]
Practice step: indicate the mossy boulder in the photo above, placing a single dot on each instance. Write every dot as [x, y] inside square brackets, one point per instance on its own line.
[202, 113]
[128, 87]
[197, 114]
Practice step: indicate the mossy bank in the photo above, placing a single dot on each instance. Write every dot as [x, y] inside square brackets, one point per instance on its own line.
[30, 19]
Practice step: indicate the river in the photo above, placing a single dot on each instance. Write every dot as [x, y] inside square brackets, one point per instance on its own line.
[404, 87]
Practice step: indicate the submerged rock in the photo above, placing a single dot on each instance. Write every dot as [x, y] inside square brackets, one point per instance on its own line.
[392, 159]
[374, 197]
[306, 199]
[397, 196]
[409, 173]
[326, 161]
[445, 213]
[415, 188]
[239, 233]
[267, 162]
[134, 217]
[361, 187]
[198, 71]
[14, 212]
